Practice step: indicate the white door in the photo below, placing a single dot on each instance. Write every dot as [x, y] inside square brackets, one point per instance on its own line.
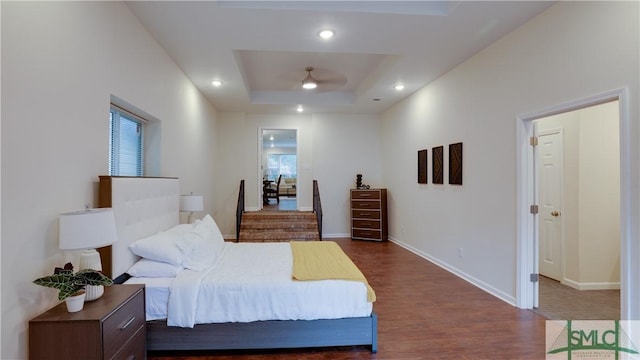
[550, 153]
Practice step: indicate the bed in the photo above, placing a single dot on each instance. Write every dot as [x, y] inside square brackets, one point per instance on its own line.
[147, 206]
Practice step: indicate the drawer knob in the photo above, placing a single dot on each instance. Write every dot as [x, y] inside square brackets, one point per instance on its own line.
[125, 325]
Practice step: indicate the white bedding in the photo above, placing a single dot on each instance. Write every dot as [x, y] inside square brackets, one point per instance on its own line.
[251, 282]
[156, 293]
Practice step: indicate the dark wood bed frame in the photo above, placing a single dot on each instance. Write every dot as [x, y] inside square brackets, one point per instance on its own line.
[275, 334]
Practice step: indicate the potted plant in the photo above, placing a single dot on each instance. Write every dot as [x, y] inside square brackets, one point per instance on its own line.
[71, 285]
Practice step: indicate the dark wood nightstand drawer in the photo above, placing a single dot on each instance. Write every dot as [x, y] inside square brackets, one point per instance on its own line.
[363, 204]
[120, 326]
[366, 234]
[366, 224]
[135, 349]
[365, 194]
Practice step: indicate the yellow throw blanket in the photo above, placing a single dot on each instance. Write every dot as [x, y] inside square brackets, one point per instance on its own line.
[323, 260]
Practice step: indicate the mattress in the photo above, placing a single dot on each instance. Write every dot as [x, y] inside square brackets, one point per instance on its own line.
[251, 282]
[156, 295]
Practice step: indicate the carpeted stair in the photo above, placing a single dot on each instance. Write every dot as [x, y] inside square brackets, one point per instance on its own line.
[275, 226]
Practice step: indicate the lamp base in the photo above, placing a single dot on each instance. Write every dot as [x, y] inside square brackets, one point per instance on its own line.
[90, 259]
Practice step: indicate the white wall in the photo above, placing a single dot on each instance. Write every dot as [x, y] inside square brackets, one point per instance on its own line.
[343, 146]
[591, 195]
[61, 63]
[571, 51]
[599, 194]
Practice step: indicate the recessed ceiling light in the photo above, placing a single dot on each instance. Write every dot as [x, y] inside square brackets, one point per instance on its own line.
[216, 83]
[399, 87]
[299, 109]
[271, 145]
[326, 34]
[271, 137]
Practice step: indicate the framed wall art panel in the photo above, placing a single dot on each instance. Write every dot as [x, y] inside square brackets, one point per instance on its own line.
[455, 164]
[437, 163]
[422, 166]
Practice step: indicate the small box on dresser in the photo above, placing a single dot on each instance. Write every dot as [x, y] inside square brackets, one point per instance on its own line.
[111, 327]
[369, 214]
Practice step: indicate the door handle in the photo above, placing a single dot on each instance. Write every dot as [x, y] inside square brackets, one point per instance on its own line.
[555, 213]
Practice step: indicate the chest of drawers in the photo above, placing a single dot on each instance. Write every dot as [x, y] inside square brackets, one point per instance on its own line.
[369, 214]
[111, 327]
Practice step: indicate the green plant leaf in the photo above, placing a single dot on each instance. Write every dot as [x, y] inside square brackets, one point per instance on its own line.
[69, 283]
[93, 277]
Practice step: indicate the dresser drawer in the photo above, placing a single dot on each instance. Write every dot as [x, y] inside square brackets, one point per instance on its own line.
[135, 349]
[365, 194]
[363, 204]
[367, 224]
[366, 234]
[121, 325]
[365, 214]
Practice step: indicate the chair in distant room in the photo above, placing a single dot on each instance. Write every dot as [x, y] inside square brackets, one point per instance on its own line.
[273, 191]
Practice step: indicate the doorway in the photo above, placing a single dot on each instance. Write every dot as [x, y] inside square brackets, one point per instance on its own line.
[527, 221]
[578, 191]
[279, 169]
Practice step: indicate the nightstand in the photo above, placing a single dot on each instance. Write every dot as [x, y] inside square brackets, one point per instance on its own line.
[111, 327]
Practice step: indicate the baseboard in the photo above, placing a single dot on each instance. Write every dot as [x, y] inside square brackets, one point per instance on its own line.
[591, 285]
[335, 236]
[461, 274]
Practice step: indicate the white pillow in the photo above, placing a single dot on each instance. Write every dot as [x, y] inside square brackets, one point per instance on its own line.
[153, 269]
[216, 235]
[181, 229]
[201, 247]
[198, 251]
[159, 247]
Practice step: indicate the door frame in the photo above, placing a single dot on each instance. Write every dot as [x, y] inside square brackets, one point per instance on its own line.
[527, 236]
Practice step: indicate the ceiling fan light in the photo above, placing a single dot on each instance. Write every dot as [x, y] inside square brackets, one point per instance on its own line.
[309, 82]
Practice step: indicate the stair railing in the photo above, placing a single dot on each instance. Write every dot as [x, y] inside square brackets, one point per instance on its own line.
[239, 209]
[317, 207]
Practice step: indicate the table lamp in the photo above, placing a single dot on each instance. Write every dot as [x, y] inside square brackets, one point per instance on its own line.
[87, 230]
[190, 203]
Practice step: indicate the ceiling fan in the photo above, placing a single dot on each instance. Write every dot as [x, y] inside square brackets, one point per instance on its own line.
[327, 78]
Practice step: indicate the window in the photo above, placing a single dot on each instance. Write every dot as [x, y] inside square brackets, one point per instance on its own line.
[125, 143]
[281, 164]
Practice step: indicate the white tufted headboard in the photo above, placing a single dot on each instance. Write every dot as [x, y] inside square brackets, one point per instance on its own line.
[142, 207]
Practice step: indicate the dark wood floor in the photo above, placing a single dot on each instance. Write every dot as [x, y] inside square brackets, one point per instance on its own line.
[423, 312]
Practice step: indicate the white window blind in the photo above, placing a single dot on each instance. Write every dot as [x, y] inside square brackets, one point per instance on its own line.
[281, 164]
[126, 143]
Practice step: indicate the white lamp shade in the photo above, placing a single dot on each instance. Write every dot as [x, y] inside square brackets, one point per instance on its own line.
[191, 203]
[87, 229]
